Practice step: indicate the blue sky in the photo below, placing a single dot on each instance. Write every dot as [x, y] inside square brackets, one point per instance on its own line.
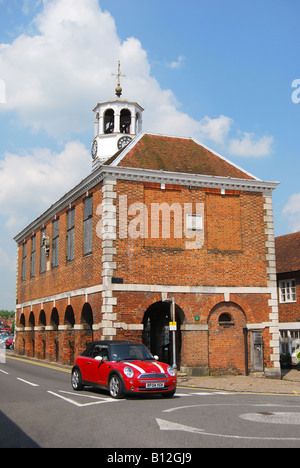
[219, 71]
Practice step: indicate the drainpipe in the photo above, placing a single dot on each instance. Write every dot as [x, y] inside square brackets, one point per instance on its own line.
[245, 330]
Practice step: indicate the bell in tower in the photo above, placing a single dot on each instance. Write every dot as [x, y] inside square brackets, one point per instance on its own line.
[117, 122]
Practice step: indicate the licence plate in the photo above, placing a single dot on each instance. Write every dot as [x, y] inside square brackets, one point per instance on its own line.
[155, 385]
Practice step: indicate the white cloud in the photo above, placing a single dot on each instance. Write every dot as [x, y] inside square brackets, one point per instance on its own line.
[251, 146]
[177, 63]
[31, 182]
[55, 76]
[292, 210]
[2, 92]
[215, 129]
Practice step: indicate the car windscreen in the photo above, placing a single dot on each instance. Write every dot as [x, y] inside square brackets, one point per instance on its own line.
[127, 352]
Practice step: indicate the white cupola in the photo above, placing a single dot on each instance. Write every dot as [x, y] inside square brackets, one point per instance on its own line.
[117, 122]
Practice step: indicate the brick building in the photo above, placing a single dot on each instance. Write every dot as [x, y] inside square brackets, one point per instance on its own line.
[288, 279]
[156, 220]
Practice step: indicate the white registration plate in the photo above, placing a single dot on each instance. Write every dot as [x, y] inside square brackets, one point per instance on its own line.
[155, 385]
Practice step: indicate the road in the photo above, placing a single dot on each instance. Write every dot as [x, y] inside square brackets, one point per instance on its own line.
[38, 408]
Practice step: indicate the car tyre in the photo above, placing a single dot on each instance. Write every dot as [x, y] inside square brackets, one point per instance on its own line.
[77, 380]
[115, 387]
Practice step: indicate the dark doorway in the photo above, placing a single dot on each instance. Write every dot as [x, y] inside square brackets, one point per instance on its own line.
[156, 334]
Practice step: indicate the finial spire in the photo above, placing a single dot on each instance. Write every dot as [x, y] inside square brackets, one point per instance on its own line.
[118, 75]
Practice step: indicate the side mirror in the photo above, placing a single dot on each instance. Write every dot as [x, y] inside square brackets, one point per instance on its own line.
[99, 358]
[156, 357]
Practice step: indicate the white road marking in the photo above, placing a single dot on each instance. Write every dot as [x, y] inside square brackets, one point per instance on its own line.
[3, 372]
[171, 426]
[29, 383]
[99, 400]
[272, 418]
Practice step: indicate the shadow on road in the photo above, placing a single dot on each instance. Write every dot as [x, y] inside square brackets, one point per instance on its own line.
[11, 436]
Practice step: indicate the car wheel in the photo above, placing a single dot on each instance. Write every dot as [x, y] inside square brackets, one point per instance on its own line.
[115, 387]
[77, 380]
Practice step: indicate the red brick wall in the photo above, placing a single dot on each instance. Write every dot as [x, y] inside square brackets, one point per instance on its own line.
[290, 311]
[221, 261]
[84, 271]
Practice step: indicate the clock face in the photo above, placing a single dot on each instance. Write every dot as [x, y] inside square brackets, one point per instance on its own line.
[123, 141]
[94, 149]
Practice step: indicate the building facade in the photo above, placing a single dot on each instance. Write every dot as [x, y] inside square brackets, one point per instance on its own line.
[288, 281]
[161, 220]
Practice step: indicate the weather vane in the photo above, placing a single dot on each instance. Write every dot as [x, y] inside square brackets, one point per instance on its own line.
[118, 75]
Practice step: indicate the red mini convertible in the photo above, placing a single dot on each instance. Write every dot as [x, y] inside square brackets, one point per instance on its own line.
[122, 367]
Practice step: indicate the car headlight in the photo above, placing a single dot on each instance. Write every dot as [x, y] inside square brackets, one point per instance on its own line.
[128, 372]
[171, 371]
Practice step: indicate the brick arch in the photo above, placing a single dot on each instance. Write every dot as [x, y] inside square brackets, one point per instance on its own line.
[22, 320]
[42, 318]
[31, 320]
[155, 333]
[69, 318]
[54, 319]
[87, 318]
[226, 342]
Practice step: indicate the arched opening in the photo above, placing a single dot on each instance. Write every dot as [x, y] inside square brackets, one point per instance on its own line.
[54, 321]
[69, 317]
[157, 335]
[31, 321]
[87, 316]
[22, 321]
[86, 321]
[225, 318]
[227, 347]
[109, 121]
[42, 319]
[125, 121]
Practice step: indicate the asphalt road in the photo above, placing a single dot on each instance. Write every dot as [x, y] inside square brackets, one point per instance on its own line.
[38, 408]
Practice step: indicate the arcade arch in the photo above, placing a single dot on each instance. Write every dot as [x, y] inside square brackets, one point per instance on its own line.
[156, 333]
[226, 339]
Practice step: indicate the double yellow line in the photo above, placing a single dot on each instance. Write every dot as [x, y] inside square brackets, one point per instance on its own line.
[40, 363]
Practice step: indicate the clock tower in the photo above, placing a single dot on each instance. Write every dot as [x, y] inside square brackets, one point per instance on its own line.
[117, 122]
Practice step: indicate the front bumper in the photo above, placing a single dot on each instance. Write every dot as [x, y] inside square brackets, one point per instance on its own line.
[150, 385]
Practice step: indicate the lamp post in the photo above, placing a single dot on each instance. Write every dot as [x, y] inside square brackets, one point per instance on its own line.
[173, 328]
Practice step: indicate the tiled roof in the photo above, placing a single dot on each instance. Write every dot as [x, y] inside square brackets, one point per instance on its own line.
[288, 252]
[173, 154]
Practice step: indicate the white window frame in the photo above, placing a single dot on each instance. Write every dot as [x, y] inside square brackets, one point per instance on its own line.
[287, 291]
[194, 222]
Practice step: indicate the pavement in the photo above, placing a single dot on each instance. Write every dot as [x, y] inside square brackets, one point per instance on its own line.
[289, 384]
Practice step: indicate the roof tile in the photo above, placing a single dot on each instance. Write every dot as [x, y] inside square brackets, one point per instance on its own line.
[173, 154]
[288, 252]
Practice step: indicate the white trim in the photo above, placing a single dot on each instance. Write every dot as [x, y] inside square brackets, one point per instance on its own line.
[150, 288]
[289, 326]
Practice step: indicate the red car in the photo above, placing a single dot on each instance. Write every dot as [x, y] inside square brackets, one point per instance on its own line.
[122, 367]
[10, 343]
